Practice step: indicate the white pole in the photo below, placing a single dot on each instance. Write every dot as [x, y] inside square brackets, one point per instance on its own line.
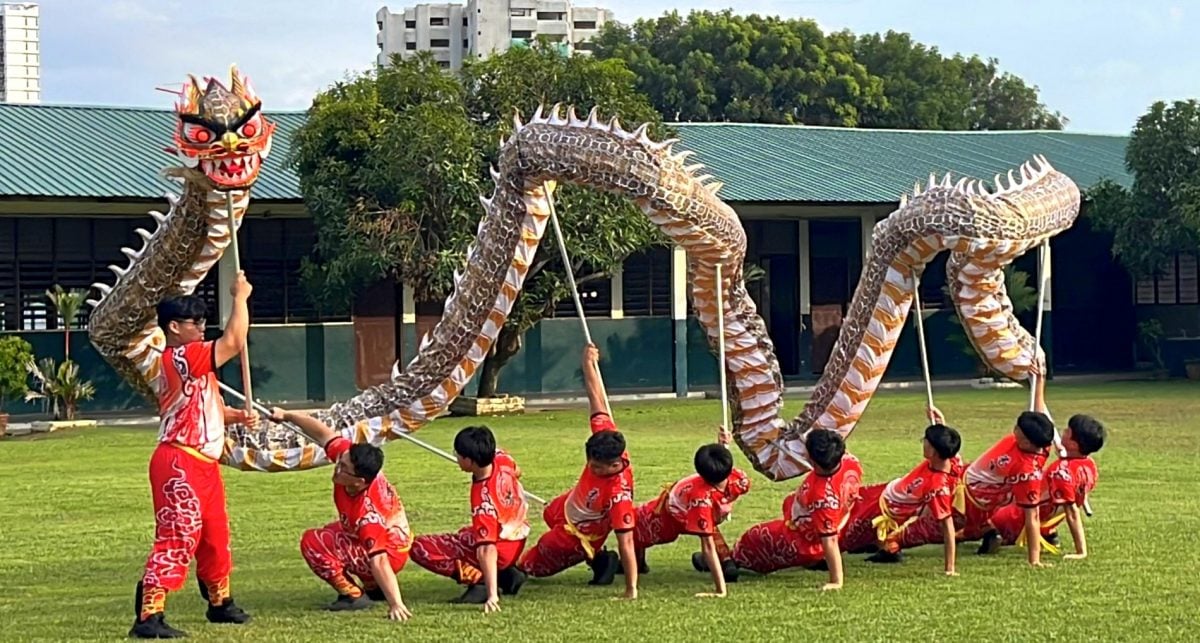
[721, 367]
[921, 339]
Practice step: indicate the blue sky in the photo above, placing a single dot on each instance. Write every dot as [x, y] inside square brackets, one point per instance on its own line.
[1102, 63]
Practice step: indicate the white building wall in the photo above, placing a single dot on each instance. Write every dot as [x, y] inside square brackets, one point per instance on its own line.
[20, 53]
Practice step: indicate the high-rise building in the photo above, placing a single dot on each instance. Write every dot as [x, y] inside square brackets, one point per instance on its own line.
[453, 32]
[20, 56]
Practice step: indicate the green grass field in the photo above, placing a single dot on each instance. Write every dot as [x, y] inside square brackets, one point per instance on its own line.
[76, 525]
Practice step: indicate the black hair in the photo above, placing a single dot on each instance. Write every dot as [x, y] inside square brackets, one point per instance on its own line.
[605, 446]
[1087, 432]
[367, 460]
[477, 444]
[825, 447]
[1037, 428]
[179, 309]
[713, 462]
[945, 440]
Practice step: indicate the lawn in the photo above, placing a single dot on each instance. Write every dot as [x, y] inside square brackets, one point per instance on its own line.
[76, 525]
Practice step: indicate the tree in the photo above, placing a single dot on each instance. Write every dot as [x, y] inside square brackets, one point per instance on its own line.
[926, 90]
[1159, 215]
[392, 163]
[726, 67]
[68, 303]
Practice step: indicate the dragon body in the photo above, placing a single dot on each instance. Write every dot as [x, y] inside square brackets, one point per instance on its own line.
[983, 230]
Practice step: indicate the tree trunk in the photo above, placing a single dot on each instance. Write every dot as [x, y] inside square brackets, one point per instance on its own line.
[508, 344]
[67, 343]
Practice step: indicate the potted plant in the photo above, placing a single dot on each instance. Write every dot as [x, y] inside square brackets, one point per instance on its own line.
[60, 384]
[14, 353]
[1192, 365]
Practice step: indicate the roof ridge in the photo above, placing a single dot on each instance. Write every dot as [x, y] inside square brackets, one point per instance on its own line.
[94, 107]
[924, 132]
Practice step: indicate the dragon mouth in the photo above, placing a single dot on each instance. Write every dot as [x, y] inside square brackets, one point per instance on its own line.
[232, 171]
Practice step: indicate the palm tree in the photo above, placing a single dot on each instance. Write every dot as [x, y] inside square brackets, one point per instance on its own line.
[68, 303]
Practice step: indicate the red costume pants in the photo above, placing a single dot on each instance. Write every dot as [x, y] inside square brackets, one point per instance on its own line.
[772, 546]
[559, 549]
[1009, 521]
[454, 555]
[190, 521]
[656, 526]
[334, 555]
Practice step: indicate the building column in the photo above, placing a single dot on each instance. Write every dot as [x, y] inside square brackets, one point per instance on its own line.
[409, 340]
[804, 256]
[617, 293]
[679, 287]
[868, 231]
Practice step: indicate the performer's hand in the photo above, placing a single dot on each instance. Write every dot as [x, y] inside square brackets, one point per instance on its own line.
[724, 436]
[399, 612]
[711, 595]
[278, 414]
[830, 587]
[1074, 556]
[1041, 565]
[492, 605]
[250, 419]
[629, 595]
[240, 286]
[951, 572]
[591, 355]
[935, 415]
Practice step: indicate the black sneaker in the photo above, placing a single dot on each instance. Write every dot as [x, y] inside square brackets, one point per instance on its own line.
[155, 627]
[990, 545]
[698, 562]
[376, 594]
[1052, 538]
[345, 603]
[884, 556]
[227, 612]
[475, 595]
[731, 571]
[643, 568]
[604, 567]
[510, 580]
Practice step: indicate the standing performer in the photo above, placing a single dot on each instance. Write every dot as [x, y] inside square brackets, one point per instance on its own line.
[371, 538]
[601, 502]
[483, 555]
[190, 518]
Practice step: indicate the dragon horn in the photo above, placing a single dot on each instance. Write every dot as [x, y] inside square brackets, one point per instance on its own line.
[235, 81]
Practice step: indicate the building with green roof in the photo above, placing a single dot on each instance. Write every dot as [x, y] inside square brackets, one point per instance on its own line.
[76, 181]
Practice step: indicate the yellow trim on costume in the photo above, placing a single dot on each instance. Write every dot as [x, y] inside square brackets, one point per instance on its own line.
[1053, 522]
[664, 495]
[960, 497]
[885, 524]
[194, 453]
[583, 539]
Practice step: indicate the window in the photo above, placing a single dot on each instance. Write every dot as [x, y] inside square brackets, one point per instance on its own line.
[410, 46]
[466, 43]
[410, 24]
[585, 45]
[522, 34]
[518, 13]
[464, 21]
[1175, 283]
[646, 283]
[596, 296]
[551, 15]
[439, 42]
[585, 24]
[437, 22]
[444, 64]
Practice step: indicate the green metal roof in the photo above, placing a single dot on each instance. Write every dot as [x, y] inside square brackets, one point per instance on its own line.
[795, 163]
[86, 151]
[90, 151]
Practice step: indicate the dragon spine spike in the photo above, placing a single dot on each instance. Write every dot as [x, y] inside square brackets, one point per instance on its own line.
[93, 303]
[903, 200]
[494, 173]
[702, 179]
[572, 117]
[614, 124]
[932, 182]
[946, 181]
[103, 288]
[538, 115]
[486, 202]
[715, 187]
[517, 124]
[958, 187]
[692, 169]
[593, 116]
[133, 255]
[144, 234]
[118, 271]
[556, 117]
[641, 132]
[682, 156]
[999, 184]
[916, 189]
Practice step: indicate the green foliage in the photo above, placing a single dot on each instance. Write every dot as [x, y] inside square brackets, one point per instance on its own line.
[60, 385]
[68, 303]
[14, 352]
[726, 67]
[1150, 331]
[1160, 215]
[392, 163]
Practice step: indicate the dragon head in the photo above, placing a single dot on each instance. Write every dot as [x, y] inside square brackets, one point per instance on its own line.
[221, 131]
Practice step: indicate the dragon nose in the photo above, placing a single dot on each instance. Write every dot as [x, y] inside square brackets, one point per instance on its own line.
[230, 141]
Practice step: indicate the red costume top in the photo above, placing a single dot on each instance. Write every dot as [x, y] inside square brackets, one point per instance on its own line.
[498, 508]
[922, 489]
[1004, 474]
[189, 400]
[375, 516]
[699, 507]
[821, 506]
[596, 505]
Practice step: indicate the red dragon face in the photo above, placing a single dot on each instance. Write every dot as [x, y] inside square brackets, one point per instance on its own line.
[221, 131]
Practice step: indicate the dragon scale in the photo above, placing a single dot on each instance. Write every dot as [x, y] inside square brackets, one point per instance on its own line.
[984, 231]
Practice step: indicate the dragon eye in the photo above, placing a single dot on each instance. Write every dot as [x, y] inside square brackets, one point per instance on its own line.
[197, 133]
[250, 129]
